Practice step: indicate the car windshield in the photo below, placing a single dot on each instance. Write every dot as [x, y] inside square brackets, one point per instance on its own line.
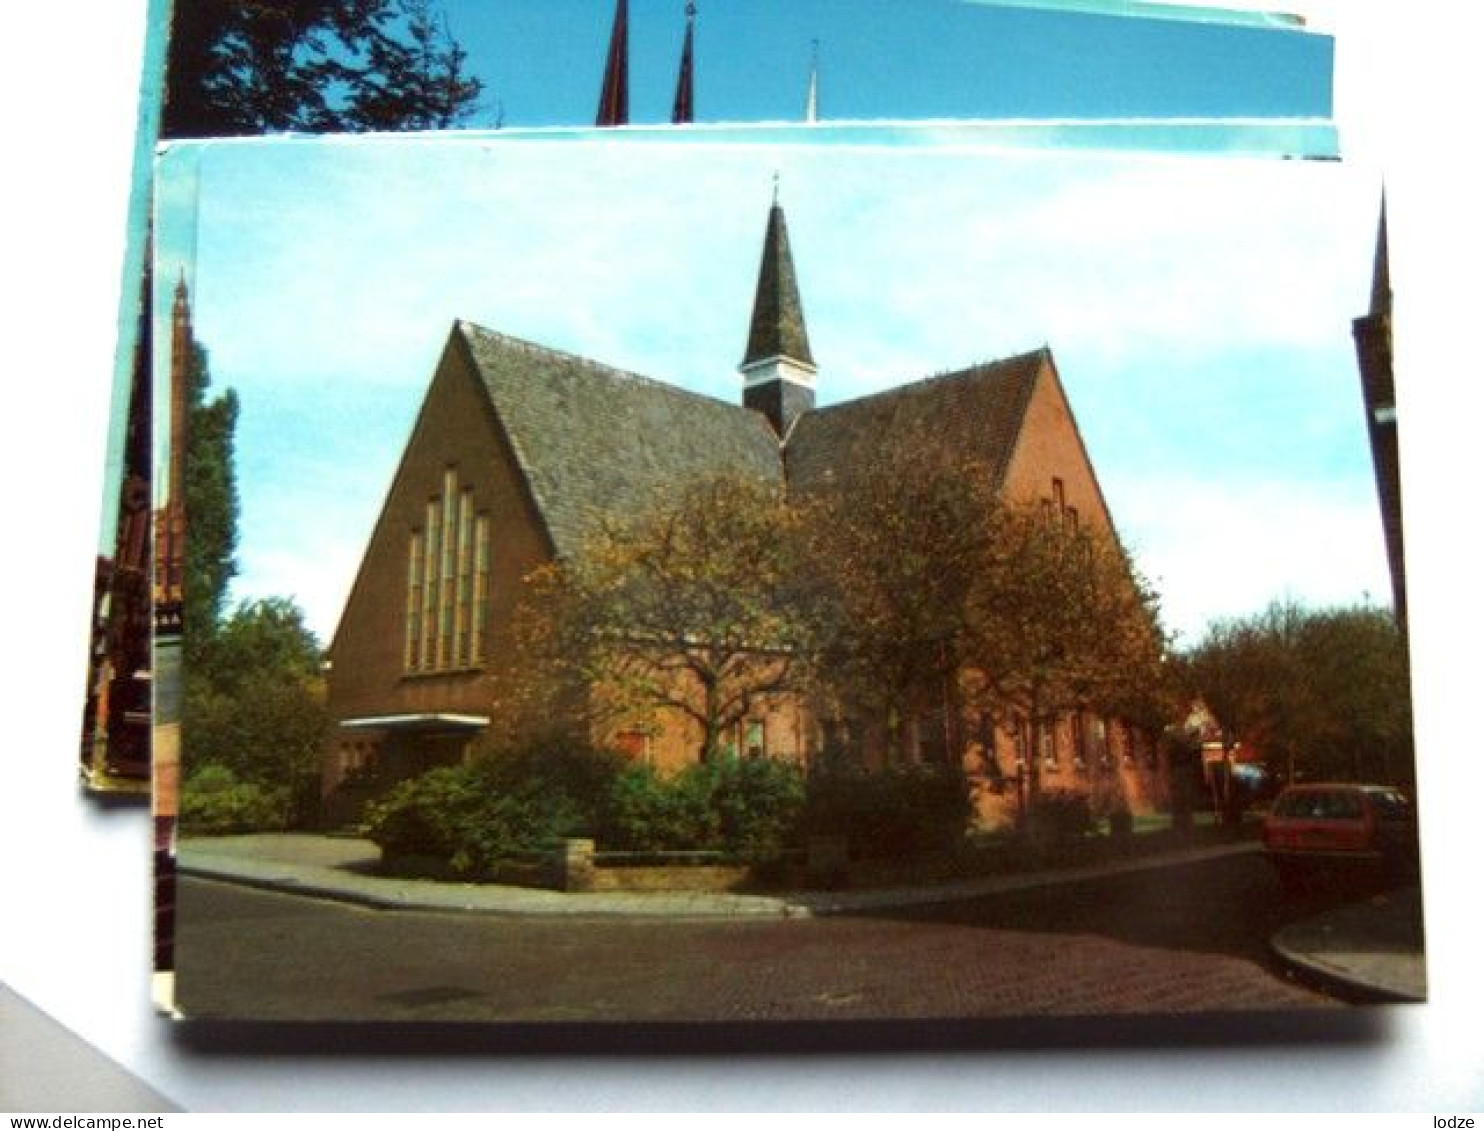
[1320, 804]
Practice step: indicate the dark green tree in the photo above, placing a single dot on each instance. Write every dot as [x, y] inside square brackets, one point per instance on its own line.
[210, 504]
[264, 636]
[262, 66]
[416, 82]
[256, 704]
[254, 697]
[1360, 723]
[1324, 693]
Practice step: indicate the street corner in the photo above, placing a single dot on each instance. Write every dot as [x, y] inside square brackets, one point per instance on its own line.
[1372, 949]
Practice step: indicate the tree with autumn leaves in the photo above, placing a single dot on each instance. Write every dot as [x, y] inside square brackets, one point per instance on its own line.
[895, 555]
[692, 606]
[1061, 622]
[910, 593]
[942, 598]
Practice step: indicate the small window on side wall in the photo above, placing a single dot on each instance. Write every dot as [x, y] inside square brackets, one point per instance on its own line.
[754, 745]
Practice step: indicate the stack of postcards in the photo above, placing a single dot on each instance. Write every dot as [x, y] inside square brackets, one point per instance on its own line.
[756, 512]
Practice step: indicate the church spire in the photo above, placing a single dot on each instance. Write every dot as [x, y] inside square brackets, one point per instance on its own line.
[778, 369]
[170, 517]
[811, 100]
[685, 95]
[1381, 271]
[182, 359]
[613, 103]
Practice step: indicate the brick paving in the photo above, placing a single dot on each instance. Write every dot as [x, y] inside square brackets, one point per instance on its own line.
[1192, 938]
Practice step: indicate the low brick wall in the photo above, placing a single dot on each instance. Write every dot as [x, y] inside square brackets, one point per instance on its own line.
[576, 865]
[670, 877]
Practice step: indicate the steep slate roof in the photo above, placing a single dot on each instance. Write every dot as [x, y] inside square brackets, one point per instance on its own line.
[977, 412]
[596, 442]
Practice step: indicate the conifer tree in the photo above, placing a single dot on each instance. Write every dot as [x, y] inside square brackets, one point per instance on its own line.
[210, 504]
[313, 65]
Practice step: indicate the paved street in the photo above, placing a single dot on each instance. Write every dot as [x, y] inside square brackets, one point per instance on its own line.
[1176, 939]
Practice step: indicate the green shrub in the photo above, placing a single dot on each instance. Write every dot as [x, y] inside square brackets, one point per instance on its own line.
[759, 803]
[578, 773]
[645, 812]
[501, 806]
[427, 815]
[745, 808]
[884, 814]
[215, 802]
[1062, 815]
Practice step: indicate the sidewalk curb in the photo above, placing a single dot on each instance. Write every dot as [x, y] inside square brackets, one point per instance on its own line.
[537, 903]
[322, 882]
[1400, 979]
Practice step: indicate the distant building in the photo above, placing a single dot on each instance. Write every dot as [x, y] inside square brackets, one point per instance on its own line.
[170, 516]
[116, 746]
[1373, 350]
[519, 450]
[613, 95]
[139, 591]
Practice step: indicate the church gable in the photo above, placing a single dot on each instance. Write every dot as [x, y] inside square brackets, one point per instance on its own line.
[1048, 465]
[456, 534]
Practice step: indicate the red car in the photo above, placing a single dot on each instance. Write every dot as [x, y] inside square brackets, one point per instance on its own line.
[1335, 826]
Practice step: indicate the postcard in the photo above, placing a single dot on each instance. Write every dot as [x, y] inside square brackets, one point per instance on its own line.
[767, 581]
[221, 69]
[395, 65]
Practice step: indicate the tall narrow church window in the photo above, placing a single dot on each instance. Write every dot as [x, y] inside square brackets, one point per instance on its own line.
[413, 654]
[464, 584]
[427, 653]
[446, 569]
[448, 582]
[481, 609]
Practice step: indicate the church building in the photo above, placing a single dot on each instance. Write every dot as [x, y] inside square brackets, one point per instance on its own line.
[520, 450]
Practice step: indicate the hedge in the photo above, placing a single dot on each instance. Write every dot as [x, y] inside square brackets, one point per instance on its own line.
[216, 802]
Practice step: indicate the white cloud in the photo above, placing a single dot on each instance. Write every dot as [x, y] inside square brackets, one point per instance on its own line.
[1215, 549]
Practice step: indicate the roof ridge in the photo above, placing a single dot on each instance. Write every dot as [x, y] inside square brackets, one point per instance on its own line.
[943, 375]
[599, 367]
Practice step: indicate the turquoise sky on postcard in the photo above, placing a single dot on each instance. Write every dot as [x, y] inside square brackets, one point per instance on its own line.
[542, 60]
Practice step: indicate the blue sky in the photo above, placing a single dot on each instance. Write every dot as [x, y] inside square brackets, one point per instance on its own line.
[1199, 309]
[542, 60]
[900, 59]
